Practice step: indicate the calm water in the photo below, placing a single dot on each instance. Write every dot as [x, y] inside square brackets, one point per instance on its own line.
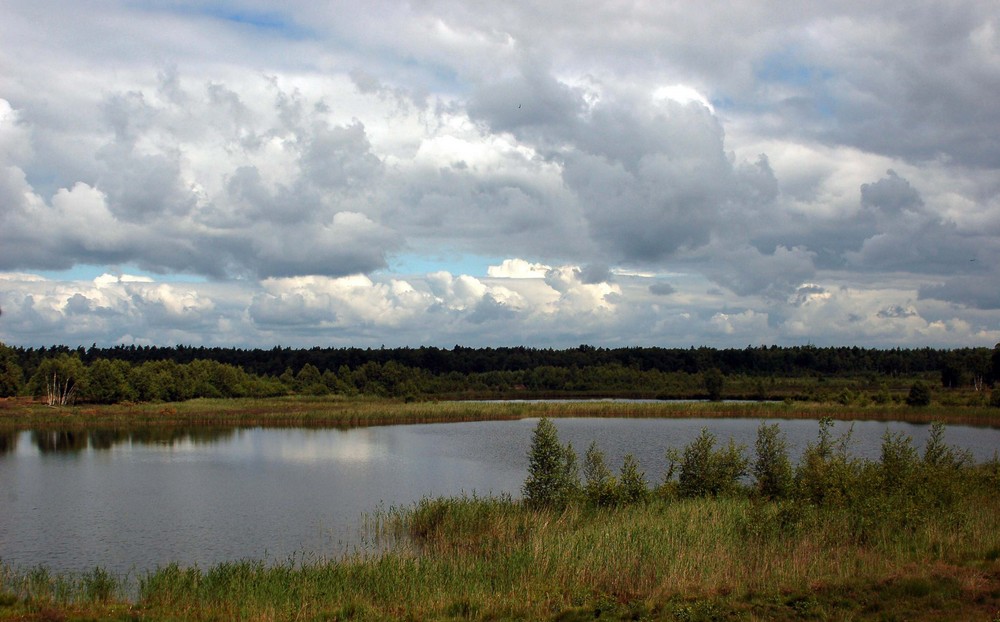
[131, 502]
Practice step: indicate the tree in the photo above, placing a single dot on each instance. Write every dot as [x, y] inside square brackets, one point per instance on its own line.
[919, 394]
[58, 379]
[600, 485]
[826, 474]
[551, 468]
[772, 469]
[11, 375]
[632, 486]
[108, 382]
[705, 471]
[713, 384]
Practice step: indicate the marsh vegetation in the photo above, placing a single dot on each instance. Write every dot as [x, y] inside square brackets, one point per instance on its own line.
[727, 533]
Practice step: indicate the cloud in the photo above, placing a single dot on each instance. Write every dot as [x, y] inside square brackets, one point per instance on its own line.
[518, 269]
[661, 289]
[748, 271]
[977, 292]
[783, 173]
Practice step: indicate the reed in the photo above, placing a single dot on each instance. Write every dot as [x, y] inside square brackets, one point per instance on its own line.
[342, 412]
[495, 558]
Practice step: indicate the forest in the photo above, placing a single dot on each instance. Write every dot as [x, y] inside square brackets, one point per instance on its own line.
[63, 375]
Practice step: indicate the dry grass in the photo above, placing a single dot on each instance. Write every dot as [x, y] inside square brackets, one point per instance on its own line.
[340, 412]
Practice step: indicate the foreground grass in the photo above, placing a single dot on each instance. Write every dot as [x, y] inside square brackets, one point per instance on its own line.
[341, 412]
[495, 559]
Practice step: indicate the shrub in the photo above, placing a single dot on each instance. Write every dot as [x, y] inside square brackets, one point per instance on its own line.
[920, 394]
[771, 469]
[898, 461]
[826, 474]
[705, 471]
[553, 475]
[713, 384]
[600, 485]
[632, 486]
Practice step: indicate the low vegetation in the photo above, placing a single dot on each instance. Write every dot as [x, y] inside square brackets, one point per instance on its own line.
[914, 535]
[337, 411]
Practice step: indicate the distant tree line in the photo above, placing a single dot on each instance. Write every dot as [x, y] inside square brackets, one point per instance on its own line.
[60, 374]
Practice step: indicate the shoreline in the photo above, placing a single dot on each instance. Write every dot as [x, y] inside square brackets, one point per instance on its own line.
[339, 412]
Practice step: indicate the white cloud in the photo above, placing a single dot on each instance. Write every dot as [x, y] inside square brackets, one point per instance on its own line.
[518, 269]
[832, 168]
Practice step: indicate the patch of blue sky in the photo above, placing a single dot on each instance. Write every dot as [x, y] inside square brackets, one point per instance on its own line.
[430, 76]
[272, 22]
[787, 68]
[456, 264]
[89, 272]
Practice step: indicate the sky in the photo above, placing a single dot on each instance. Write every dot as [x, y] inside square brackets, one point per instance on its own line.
[549, 174]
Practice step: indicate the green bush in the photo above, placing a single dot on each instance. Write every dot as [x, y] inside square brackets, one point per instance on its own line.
[714, 382]
[826, 474]
[771, 469]
[600, 485]
[553, 474]
[920, 394]
[632, 486]
[704, 471]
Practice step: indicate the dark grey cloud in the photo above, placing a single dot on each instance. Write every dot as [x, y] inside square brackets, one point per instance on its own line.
[747, 271]
[905, 236]
[891, 195]
[978, 292]
[662, 289]
[896, 311]
[531, 104]
[596, 273]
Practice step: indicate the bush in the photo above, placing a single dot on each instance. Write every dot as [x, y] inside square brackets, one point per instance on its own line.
[920, 395]
[826, 474]
[772, 469]
[705, 471]
[553, 474]
[600, 485]
[632, 486]
[714, 382]
[898, 461]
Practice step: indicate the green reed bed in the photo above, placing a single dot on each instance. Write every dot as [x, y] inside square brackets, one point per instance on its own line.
[487, 558]
[342, 412]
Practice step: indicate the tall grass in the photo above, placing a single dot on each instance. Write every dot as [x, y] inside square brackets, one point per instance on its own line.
[907, 537]
[494, 558]
[341, 412]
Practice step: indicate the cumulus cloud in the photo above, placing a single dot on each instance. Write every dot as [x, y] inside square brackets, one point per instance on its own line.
[748, 271]
[819, 181]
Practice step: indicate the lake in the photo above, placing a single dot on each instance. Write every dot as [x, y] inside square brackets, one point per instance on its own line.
[130, 502]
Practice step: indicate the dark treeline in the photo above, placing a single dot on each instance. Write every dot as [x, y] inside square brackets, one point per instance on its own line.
[151, 373]
[964, 364]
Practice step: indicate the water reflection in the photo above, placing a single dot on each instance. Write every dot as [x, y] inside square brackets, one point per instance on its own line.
[141, 498]
[8, 441]
[72, 441]
[174, 436]
[48, 441]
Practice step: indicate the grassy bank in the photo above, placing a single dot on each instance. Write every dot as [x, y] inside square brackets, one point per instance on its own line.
[495, 559]
[341, 412]
[912, 536]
